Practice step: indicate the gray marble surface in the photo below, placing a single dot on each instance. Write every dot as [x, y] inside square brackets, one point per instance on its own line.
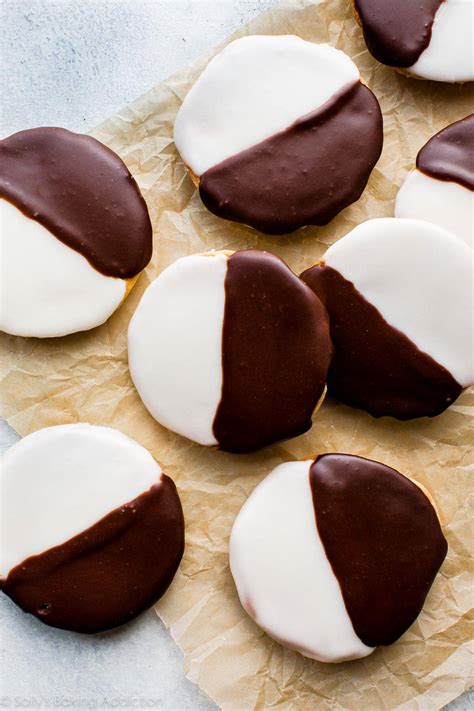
[73, 63]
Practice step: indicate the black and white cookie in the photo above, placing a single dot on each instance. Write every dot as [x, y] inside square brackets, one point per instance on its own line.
[441, 188]
[92, 530]
[335, 557]
[399, 297]
[230, 349]
[279, 133]
[432, 39]
[75, 232]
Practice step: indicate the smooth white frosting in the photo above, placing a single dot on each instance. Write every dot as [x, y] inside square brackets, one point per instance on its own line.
[175, 345]
[256, 87]
[445, 203]
[450, 54]
[420, 278]
[283, 577]
[48, 289]
[59, 481]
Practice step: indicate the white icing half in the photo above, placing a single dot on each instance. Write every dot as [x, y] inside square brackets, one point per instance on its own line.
[450, 54]
[59, 481]
[445, 203]
[48, 289]
[420, 278]
[284, 579]
[256, 87]
[175, 345]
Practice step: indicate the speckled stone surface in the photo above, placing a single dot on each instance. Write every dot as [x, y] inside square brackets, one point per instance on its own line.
[73, 63]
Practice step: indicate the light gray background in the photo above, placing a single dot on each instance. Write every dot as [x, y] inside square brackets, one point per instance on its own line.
[73, 63]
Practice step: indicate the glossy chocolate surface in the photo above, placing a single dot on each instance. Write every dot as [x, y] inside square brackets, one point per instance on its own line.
[82, 193]
[276, 352]
[449, 155]
[397, 31]
[383, 540]
[376, 367]
[304, 175]
[109, 573]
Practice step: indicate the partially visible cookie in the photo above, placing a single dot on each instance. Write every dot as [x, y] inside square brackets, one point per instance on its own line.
[279, 133]
[230, 349]
[399, 297]
[92, 530]
[334, 557]
[441, 188]
[432, 39]
[75, 232]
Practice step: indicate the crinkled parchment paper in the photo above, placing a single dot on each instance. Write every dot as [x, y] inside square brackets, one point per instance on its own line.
[84, 377]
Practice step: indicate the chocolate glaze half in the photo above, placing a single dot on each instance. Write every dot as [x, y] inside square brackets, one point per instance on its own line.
[383, 540]
[109, 573]
[396, 32]
[304, 175]
[82, 193]
[375, 366]
[276, 351]
[449, 155]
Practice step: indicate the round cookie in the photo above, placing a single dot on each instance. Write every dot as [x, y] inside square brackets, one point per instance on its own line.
[230, 349]
[399, 297]
[279, 133]
[441, 188]
[334, 557]
[75, 232]
[92, 530]
[432, 39]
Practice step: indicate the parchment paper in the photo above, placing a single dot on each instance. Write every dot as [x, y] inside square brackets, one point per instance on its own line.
[84, 377]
